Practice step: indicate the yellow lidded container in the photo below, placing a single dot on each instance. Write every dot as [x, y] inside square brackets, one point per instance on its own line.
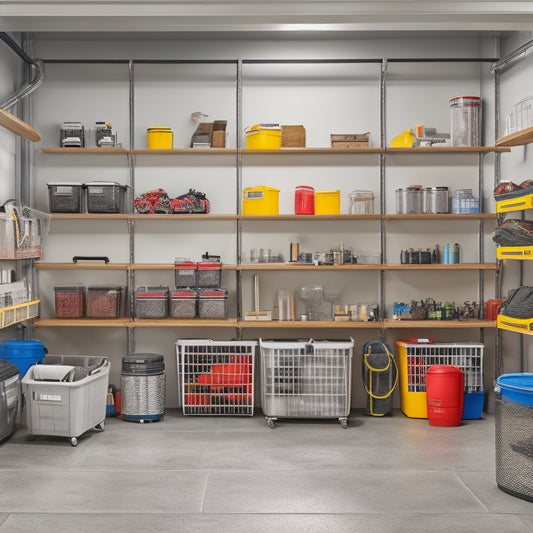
[159, 138]
[260, 200]
[327, 202]
[263, 137]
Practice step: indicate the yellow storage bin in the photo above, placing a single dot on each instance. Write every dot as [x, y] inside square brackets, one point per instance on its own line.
[327, 202]
[263, 137]
[159, 138]
[260, 200]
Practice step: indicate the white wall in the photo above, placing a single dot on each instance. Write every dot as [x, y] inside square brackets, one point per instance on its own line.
[326, 99]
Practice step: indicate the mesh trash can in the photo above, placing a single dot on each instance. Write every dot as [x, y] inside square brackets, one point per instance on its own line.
[142, 384]
[9, 398]
[514, 434]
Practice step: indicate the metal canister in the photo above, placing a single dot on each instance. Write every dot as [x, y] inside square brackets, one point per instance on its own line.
[465, 120]
[435, 200]
[142, 384]
[409, 200]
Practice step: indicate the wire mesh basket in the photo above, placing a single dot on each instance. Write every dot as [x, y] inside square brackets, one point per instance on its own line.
[306, 379]
[216, 377]
[22, 231]
[414, 361]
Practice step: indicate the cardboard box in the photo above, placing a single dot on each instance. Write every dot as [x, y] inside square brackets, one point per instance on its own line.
[292, 136]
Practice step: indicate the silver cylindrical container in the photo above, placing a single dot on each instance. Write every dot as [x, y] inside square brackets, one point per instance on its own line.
[142, 384]
[465, 120]
[409, 200]
[435, 200]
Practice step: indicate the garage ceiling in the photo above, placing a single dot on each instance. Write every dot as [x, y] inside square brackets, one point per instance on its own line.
[260, 15]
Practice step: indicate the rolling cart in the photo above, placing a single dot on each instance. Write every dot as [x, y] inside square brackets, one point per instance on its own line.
[306, 379]
[66, 395]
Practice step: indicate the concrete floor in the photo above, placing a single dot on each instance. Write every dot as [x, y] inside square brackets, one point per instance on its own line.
[230, 474]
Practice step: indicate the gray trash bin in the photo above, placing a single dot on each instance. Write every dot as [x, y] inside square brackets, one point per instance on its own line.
[9, 398]
[514, 434]
[142, 387]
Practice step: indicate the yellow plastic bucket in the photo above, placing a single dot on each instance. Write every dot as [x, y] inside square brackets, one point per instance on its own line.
[327, 202]
[159, 138]
[263, 137]
[260, 200]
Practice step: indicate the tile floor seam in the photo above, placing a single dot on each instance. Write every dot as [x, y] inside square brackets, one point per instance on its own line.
[467, 488]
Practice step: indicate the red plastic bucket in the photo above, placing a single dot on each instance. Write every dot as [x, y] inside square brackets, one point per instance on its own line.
[304, 200]
[445, 395]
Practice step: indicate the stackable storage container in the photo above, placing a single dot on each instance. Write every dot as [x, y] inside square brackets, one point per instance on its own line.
[151, 302]
[9, 398]
[263, 137]
[213, 303]
[160, 138]
[260, 200]
[105, 197]
[183, 303]
[209, 274]
[65, 197]
[69, 301]
[185, 273]
[66, 395]
[327, 202]
[104, 301]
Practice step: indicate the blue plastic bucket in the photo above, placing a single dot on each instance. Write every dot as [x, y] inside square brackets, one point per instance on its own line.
[473, 405]
[516, 388]
[22, 353]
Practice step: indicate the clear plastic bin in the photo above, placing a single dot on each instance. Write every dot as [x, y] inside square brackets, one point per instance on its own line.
[105, 197]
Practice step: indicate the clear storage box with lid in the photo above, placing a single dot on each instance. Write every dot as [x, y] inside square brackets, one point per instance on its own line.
[361, 202]
[105, 197]
[104, 301]
[65, 197]
[151, 302]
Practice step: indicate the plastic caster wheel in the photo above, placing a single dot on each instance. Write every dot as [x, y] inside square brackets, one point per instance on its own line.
[344, 423]
[100, 427]
[271, 423]
[73, 441]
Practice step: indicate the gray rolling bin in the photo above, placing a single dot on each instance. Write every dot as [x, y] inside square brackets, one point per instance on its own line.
[66, 395]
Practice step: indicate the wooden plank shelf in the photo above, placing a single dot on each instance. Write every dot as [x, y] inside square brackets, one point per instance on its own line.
[519, 138]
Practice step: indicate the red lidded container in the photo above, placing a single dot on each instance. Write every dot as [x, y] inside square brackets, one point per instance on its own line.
[304, 200]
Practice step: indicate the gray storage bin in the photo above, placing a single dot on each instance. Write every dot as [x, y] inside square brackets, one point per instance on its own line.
[151, 302]
[66, 395]
[65, 197]
[105, 197]
[209, 274]
[213, 303]
[9, 398]
[183, 303]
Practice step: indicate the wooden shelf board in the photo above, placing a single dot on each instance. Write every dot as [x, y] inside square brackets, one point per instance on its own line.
[182, 216]
[439, 324]
[90, 216]
[82, 322]
[447, 150]
[442, 216]
[104, 150]
[440, 266]
[307, 324]
[182, 323]
[519, 138]
[184, 151]
[81, 265]
[17, 126]
[306, 266]
[289, 216]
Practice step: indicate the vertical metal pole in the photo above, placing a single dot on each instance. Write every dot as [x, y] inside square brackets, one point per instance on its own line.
[382, 208]
[481, 231]
[238, 189]
[131, 222]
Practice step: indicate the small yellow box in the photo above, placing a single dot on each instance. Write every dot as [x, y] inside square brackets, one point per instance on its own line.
[263, 137]
[260, 200]
[327, 202]
[159, 138]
